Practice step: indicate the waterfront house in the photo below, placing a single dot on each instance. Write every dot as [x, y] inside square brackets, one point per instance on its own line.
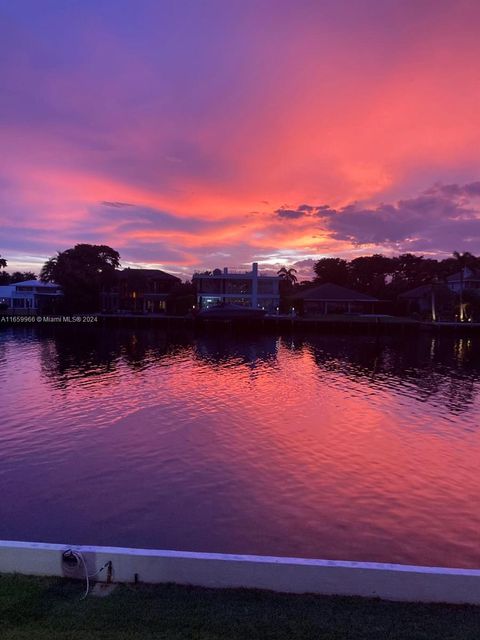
[30, 297]
[246, 288]
[139, 291]
[435, 300]
[331, 298]
[466, 280]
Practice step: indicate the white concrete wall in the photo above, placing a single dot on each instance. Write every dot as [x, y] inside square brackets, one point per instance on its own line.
[293, 575]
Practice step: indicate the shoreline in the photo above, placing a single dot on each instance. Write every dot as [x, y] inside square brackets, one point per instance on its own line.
[378, 324]
[395, 582]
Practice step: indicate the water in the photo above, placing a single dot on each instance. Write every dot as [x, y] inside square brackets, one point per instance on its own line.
[325, 446]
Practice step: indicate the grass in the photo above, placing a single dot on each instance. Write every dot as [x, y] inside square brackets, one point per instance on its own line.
[50, 608]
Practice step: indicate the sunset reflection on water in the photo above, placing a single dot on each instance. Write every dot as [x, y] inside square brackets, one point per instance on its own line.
[321, 446]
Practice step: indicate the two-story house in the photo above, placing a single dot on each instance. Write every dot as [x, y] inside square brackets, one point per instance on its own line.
[466, 280]
[247, 288]
[30, 296]
[139, 291]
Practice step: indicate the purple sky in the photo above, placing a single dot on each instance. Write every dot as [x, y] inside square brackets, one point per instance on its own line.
[205, 134]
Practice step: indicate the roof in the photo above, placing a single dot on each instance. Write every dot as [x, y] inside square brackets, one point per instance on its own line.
[333, 292]
[244, 275]
[35, 283]
[148, 273]
[424, 290]
[470, 274]
[6, 290]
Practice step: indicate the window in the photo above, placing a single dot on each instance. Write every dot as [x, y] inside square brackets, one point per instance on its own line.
[266, 286]
[240, 286]
[206, 302]
[243, 302]
[206, 285]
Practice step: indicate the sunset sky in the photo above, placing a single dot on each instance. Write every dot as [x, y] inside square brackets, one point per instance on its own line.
[202, 134]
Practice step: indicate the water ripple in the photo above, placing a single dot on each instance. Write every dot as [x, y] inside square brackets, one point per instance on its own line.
[336, 447]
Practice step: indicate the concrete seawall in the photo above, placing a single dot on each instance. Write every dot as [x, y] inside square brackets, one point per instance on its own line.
[291, 575]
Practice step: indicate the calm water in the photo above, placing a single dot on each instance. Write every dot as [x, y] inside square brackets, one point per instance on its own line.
[330, 447]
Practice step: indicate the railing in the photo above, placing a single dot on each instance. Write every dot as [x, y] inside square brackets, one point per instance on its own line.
[236, 272]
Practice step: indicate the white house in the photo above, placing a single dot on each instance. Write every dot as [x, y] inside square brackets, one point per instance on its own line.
[247, 288]
[29, 296]
[466, 280]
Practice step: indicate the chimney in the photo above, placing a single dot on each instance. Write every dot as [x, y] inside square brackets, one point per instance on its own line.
[225, 271]
[255, 285]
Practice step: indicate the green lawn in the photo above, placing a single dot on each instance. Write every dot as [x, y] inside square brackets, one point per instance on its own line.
[50, 608]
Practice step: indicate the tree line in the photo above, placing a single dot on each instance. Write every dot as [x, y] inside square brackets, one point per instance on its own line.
[85, 270]
[386, 277]
[7, 278]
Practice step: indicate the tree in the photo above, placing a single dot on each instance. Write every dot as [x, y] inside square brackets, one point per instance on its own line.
[334, 270]
[17, 276]
[22, 276]
[287, 275]
[411, 271]
[369, 273]
[465, 259]
[288, 279]
[181, 299]
[82, 272]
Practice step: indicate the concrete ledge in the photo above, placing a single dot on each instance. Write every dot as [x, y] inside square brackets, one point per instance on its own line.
[292, 575]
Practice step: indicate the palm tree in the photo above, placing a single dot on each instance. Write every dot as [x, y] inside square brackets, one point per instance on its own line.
[287, 275]
[464, 260]
[3, 263]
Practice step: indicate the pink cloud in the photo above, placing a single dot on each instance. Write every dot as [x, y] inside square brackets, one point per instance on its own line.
[211, 118]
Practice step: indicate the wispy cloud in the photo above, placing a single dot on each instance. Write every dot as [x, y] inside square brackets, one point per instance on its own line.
[117, 205]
